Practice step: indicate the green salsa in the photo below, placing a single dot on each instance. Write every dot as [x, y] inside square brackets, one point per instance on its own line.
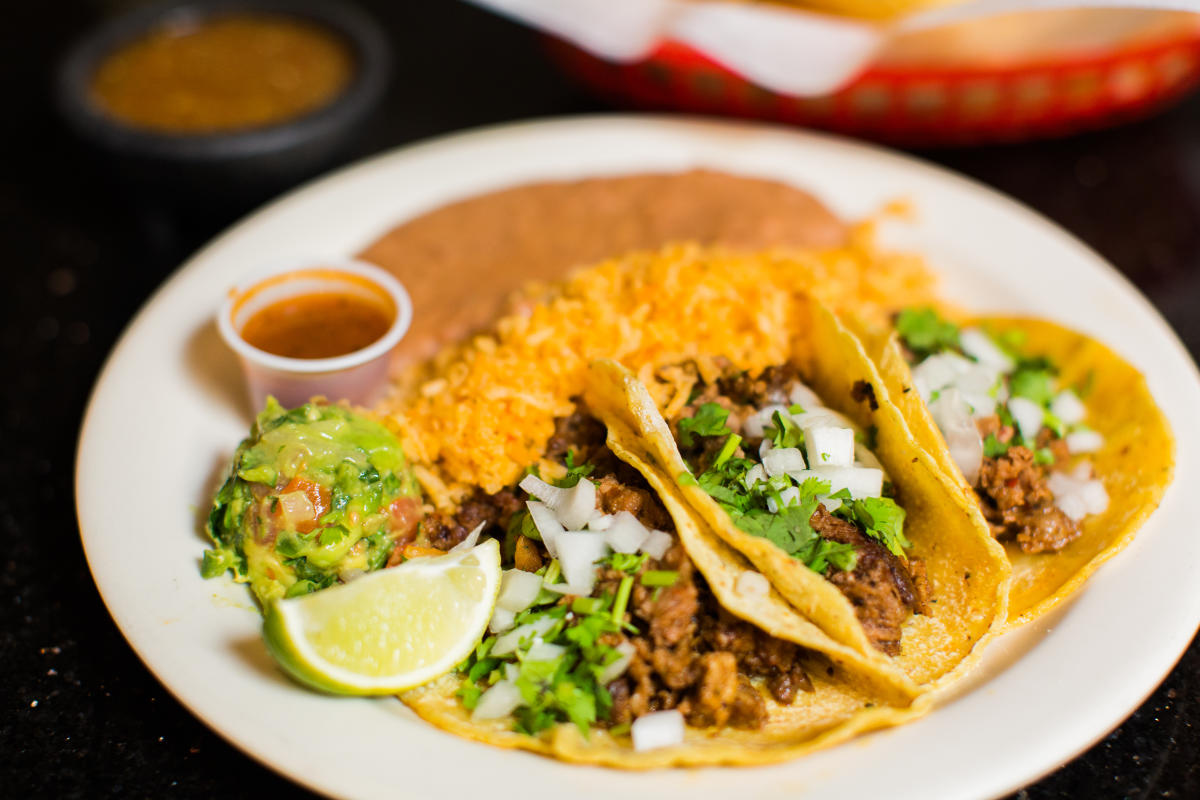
[316, 495]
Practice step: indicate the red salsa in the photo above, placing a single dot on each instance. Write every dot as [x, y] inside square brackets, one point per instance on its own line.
[319, 325]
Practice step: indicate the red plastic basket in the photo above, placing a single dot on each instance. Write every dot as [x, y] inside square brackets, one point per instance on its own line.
[916, 106]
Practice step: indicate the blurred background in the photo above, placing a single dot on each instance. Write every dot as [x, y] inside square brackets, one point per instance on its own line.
[1088, 117]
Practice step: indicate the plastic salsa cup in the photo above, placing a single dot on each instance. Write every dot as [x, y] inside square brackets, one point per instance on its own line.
[358, 376]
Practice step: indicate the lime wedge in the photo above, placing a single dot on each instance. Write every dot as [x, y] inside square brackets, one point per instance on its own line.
[390, 630]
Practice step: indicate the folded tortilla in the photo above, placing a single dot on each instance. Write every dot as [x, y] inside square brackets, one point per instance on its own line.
[851, 695]
[1136, 462]
[967, 571]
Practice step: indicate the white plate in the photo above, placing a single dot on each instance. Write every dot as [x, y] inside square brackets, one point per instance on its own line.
[167, 413]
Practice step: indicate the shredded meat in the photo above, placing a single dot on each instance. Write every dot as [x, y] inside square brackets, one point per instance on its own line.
[443, 531]
[1014, 497]
[526, 555]
[613, 496]
[879, 587]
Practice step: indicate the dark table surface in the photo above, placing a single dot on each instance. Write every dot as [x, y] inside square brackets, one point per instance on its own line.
[82, 716]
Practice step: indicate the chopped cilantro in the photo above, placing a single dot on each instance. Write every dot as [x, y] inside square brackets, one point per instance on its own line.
[1055, 424]
[993, 447]
[783, 432]
[925, 332]
[574, 472]
[708, 421]
[625, 562]
[1033, 382]
[882, 519]
[728, 449]
[1043, 456]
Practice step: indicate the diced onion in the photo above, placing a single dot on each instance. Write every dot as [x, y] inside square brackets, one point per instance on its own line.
[755, 424]
[953, 419]
[617, 668]
[509, 642]
[978, 379]
[754, 475]
[626, 534]
[500, 700]
[829, 447]
[859, 481]
[552, 496]
[471, 540]
[783, 460]
[1084, 441]
[751, 584]
[831, 504]
[578, 553]
[980, 346]
[1076, 495]
[657, 729]
[789, 496]
[295, 507]
[657, 544]
[1028, 415]
[502, 620]
[823, 418]
[1095, 497]
[544, 651]
[577, 505]
[600, 522]
[548, 526]
[863, 457]
[939, 371]
[518, 590]
[1083, 471]
[980, 405]
[804, 397]
[1068, 407]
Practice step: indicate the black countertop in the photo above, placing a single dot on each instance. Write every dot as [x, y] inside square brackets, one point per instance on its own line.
[82, 716]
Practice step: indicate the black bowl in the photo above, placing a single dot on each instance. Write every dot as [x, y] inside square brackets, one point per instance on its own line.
[242, 165]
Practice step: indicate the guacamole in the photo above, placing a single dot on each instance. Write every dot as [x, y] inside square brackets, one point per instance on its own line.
[316, 495]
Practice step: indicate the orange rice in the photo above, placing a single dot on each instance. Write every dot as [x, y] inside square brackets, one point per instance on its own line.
[484, 409]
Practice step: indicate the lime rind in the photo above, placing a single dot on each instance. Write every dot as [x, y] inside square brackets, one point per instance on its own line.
[318, 637]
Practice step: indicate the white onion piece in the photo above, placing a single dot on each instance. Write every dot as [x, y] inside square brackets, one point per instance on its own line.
[980, 405]
[500, 700]
[578, 552]
[548, 526]
[790, 497]
[1068, 407]
[626, 534]
[859, 481]
[1072, 505]
[509, 642]
[804, 397]
[518, 590]
[765, 447]
[823, 418]
[939, 371]
[1028, 415]
[657, 544]
[978, 379]
[1095, 497]
[502, 620]
[617, 668]
[657, 729]
[755, 424]
[552, 496]
[600, 522]
[577, 505]
[295, 507]
[863, 457]
[980, 346]
[829, 447]
[754, 475]
[953, 419]
[544, 651]
[471, 540]
[1084, 441]
[1083, 471]
[751, 584]
[783, 460]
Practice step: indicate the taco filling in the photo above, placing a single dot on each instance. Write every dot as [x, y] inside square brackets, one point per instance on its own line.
[1010, 428]
[602, 618]
[788, 469]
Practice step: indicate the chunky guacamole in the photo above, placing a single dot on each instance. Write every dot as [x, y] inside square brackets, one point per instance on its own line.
[316, 495]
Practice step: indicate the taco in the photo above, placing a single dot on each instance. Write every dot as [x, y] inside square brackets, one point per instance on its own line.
[1052, 436]
[627, 634]
[808, 470]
